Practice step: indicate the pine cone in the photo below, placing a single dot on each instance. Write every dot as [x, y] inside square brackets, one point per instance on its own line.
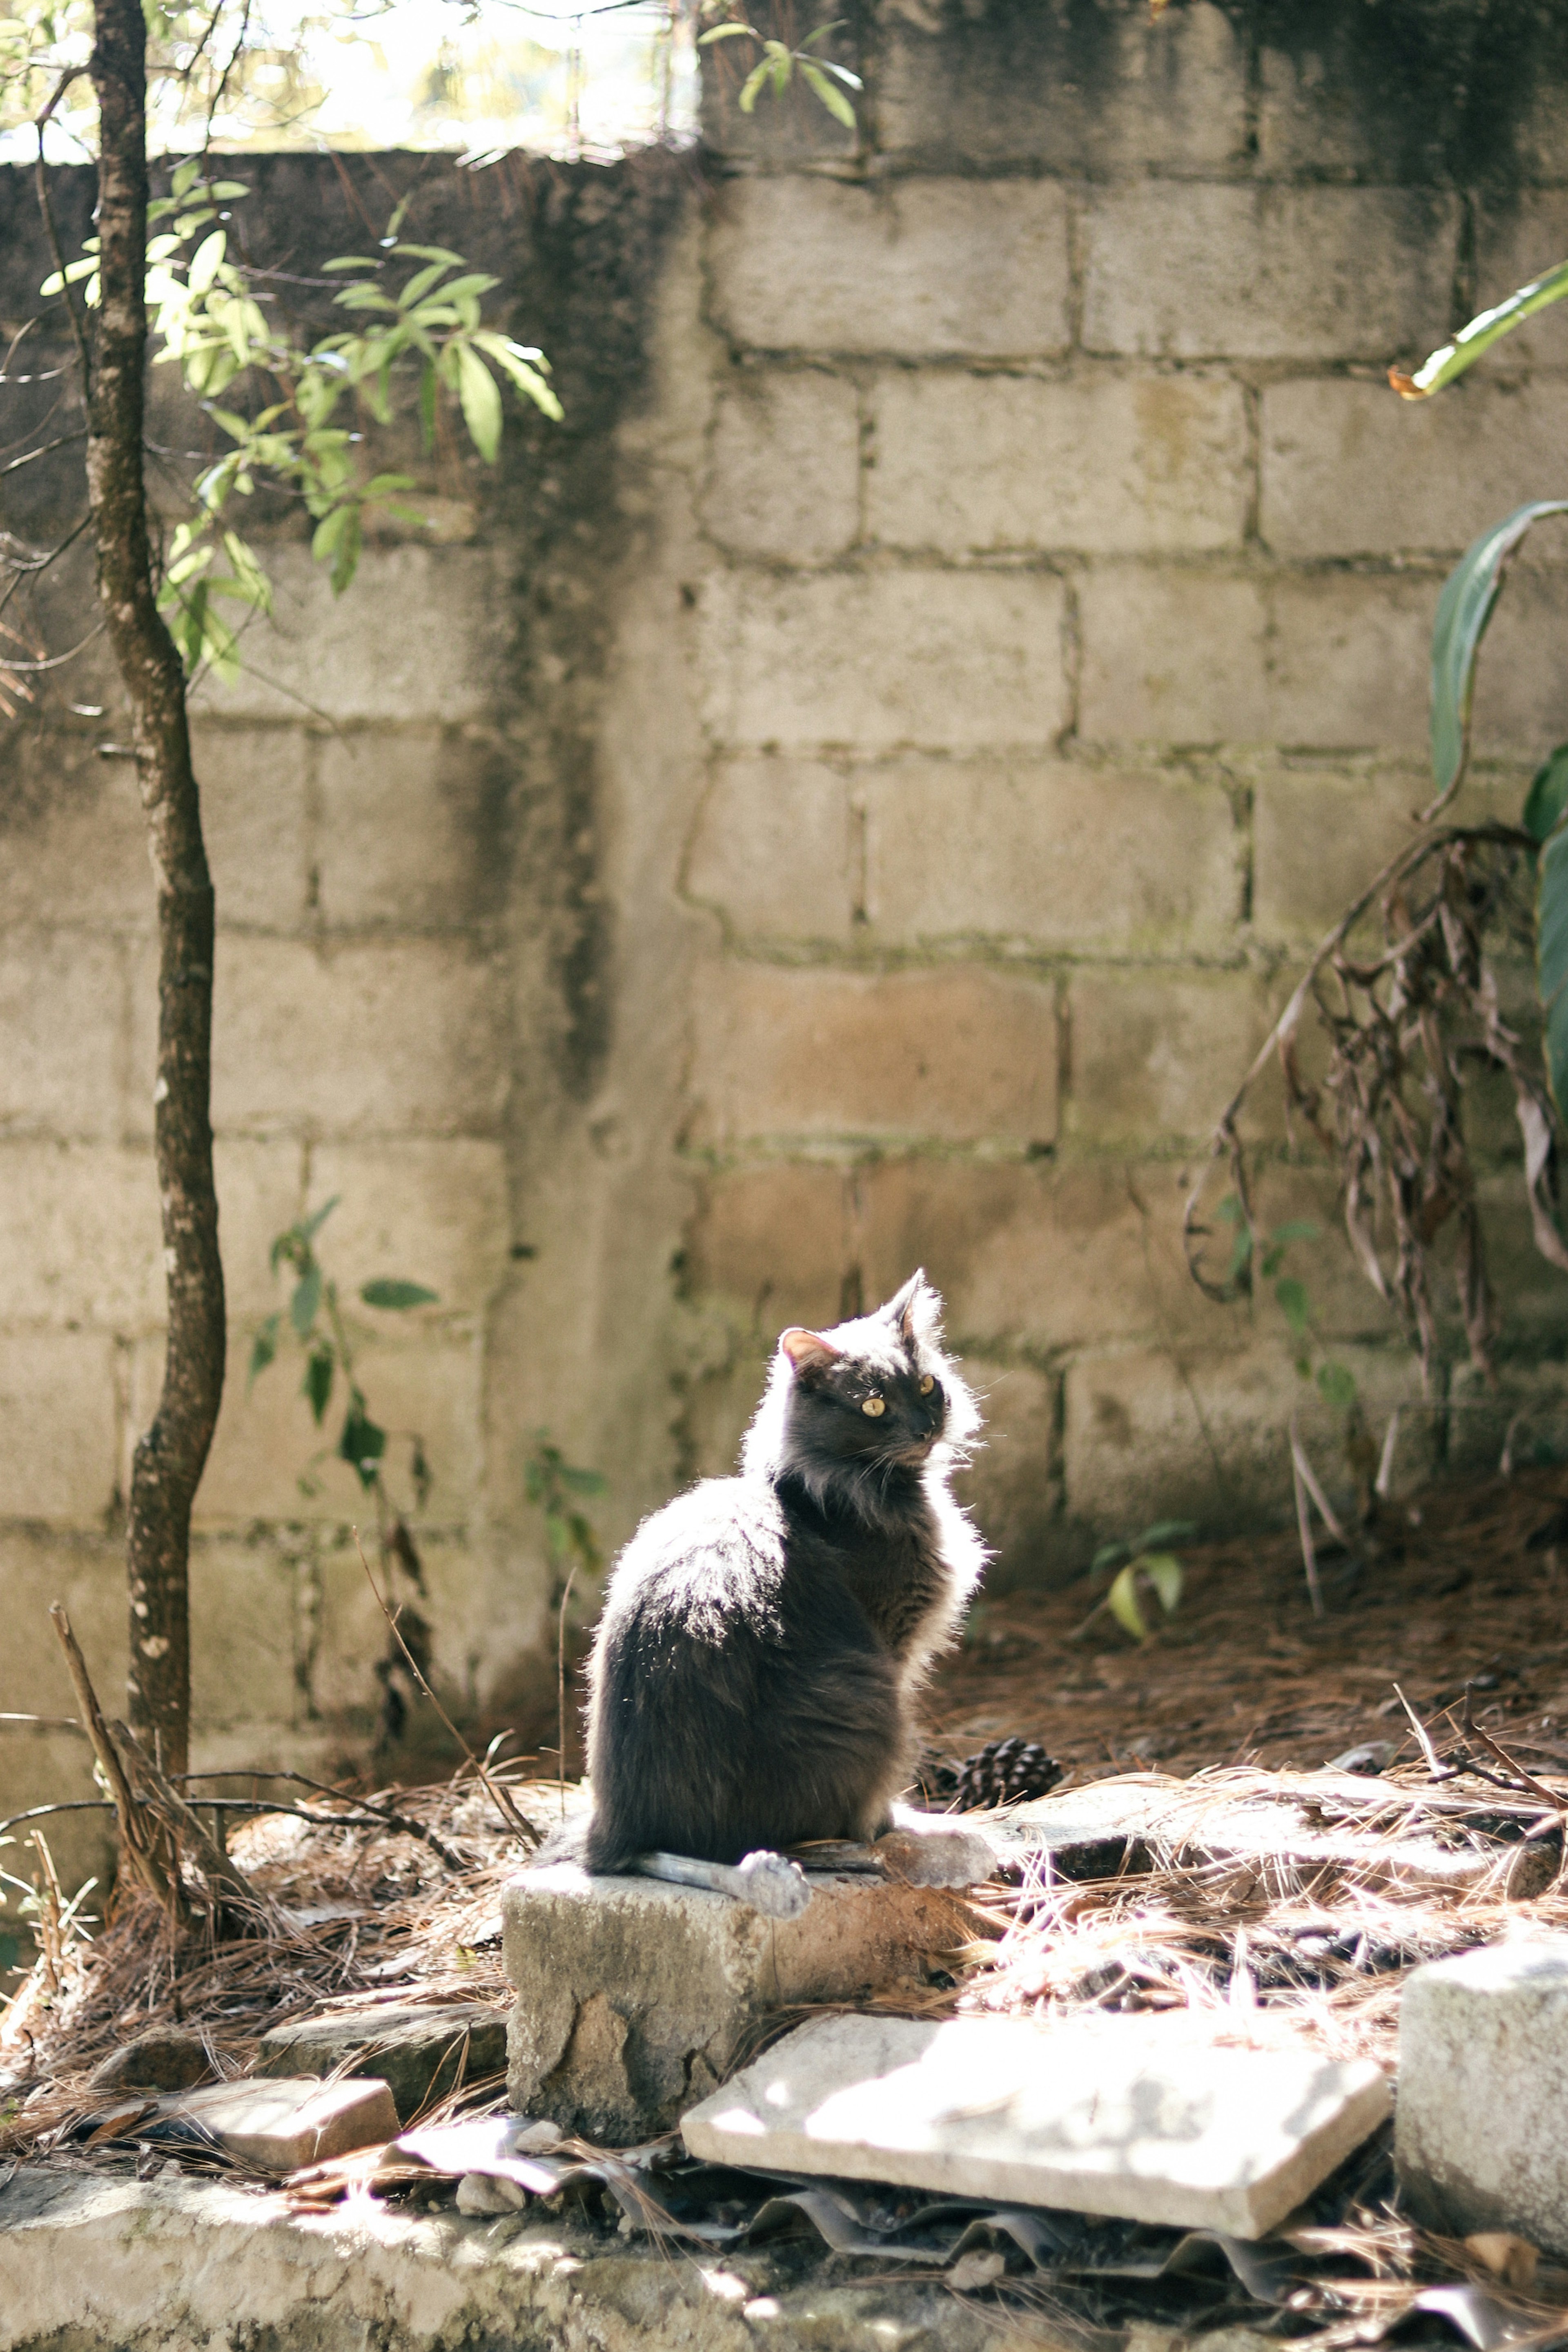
[1004, 1772]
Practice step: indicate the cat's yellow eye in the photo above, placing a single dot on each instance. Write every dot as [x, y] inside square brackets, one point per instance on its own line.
[876, 1406]
[926, 1385]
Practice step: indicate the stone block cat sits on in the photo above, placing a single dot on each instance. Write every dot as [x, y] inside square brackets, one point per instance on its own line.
[763, 1636]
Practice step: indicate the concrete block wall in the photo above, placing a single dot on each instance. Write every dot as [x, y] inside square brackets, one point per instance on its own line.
[855, 796]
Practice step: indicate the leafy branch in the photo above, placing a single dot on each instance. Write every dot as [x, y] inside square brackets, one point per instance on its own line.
[211, 320]
[779, 63]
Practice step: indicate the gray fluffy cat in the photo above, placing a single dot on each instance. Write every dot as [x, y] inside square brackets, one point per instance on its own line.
[763, 1635]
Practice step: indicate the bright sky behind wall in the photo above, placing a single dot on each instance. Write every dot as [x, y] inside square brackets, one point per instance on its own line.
[476, 79]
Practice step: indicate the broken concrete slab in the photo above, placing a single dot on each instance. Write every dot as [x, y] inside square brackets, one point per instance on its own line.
[1140, 2117]
[1483, 2088]
[1280, 1840]
[633, 1997]
[279, 2126]
[166, 2265]
[422, 2053]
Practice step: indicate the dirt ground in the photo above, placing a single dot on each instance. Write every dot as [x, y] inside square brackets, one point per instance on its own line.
[1467, 1583]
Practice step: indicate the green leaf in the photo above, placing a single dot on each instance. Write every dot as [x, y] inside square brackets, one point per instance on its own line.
[481, 398]
[316, 1386]
[751, 88]
[352, 261]
[727, 33]
[527, 368]
[307, 1298]
[205, 261]
[1123, 1603]
[1166, 1531]
[1547, 795]
[310, 1226]
[384, 1291]
[833, 99]
[421, 283]
[1464, 608]
[264, 1347]
[1486, 328]
[1108, 1555]
[1294, 1303]
[837, 26]
[1552, 961]
[1337, 1383]
[428, 391]
[1165, 1572]
[430, 253]
[584, 1482]
[362, 1444]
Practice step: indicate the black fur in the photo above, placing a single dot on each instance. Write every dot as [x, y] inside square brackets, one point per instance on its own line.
[763, 1635]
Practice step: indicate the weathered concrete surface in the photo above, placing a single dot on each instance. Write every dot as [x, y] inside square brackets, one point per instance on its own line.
[1483, 2089]
[283, 2123]
[1147, 2118]
[633, 1998]
[420, 2053]
[164, 2266]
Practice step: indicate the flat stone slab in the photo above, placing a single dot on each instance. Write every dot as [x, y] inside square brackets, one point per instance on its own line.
[1139, 2117]
[280, 2126]
[168, 2265]
[420, 2053]
[634, 1998]
[1479, 2139]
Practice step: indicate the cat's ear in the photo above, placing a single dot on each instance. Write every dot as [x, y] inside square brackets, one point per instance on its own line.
[916, 1309]
[807, 1350]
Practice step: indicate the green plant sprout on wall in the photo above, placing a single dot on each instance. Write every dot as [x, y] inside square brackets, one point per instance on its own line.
[779, 64]
[1146, 1570]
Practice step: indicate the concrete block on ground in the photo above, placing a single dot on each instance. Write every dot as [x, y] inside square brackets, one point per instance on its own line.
[280, 2125]
[421, 2054]
[1266, 273]
[1155, 463]
[784, 466]
[963, 1055]
[633, 1998]
[956, 660]
[911, 267]
[1483, 2084]
[1145, 2118]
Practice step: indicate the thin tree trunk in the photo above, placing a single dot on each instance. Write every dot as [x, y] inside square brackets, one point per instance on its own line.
[171, 1457]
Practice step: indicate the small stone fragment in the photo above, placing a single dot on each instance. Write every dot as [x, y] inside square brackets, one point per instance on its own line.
[1513, 2259]
[162, 2059]
[486, 2192]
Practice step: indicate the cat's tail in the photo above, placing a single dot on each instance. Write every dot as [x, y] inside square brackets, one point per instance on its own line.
[590, 1843]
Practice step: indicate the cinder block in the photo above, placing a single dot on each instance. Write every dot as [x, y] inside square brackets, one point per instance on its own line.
[242, 1637]
[433, 1212]
[633, 1998]
[1116, 464]
[1347, 470]
[777, 1244]
[1071, 91]
[437, 652]
[76, 840]
[57, 1410]
[873, 660]
[775, 851]
[266, 1442]
[1332, 661]
[370, 1038]
[783, 475]
[472, 1634]
[1266, 272]
[1155, 1055]
[79, 1233]
[1173, 656]
[1047, 854]
[959, 1055]
[62, 999]
[909, 266]
[1321, 833]
[1137, 1449]
[253, 781]
[1518, 238]
[1483, 2073]
[260, 1193]
[1035, 1257]
[1014, 1485]
[414, 827]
